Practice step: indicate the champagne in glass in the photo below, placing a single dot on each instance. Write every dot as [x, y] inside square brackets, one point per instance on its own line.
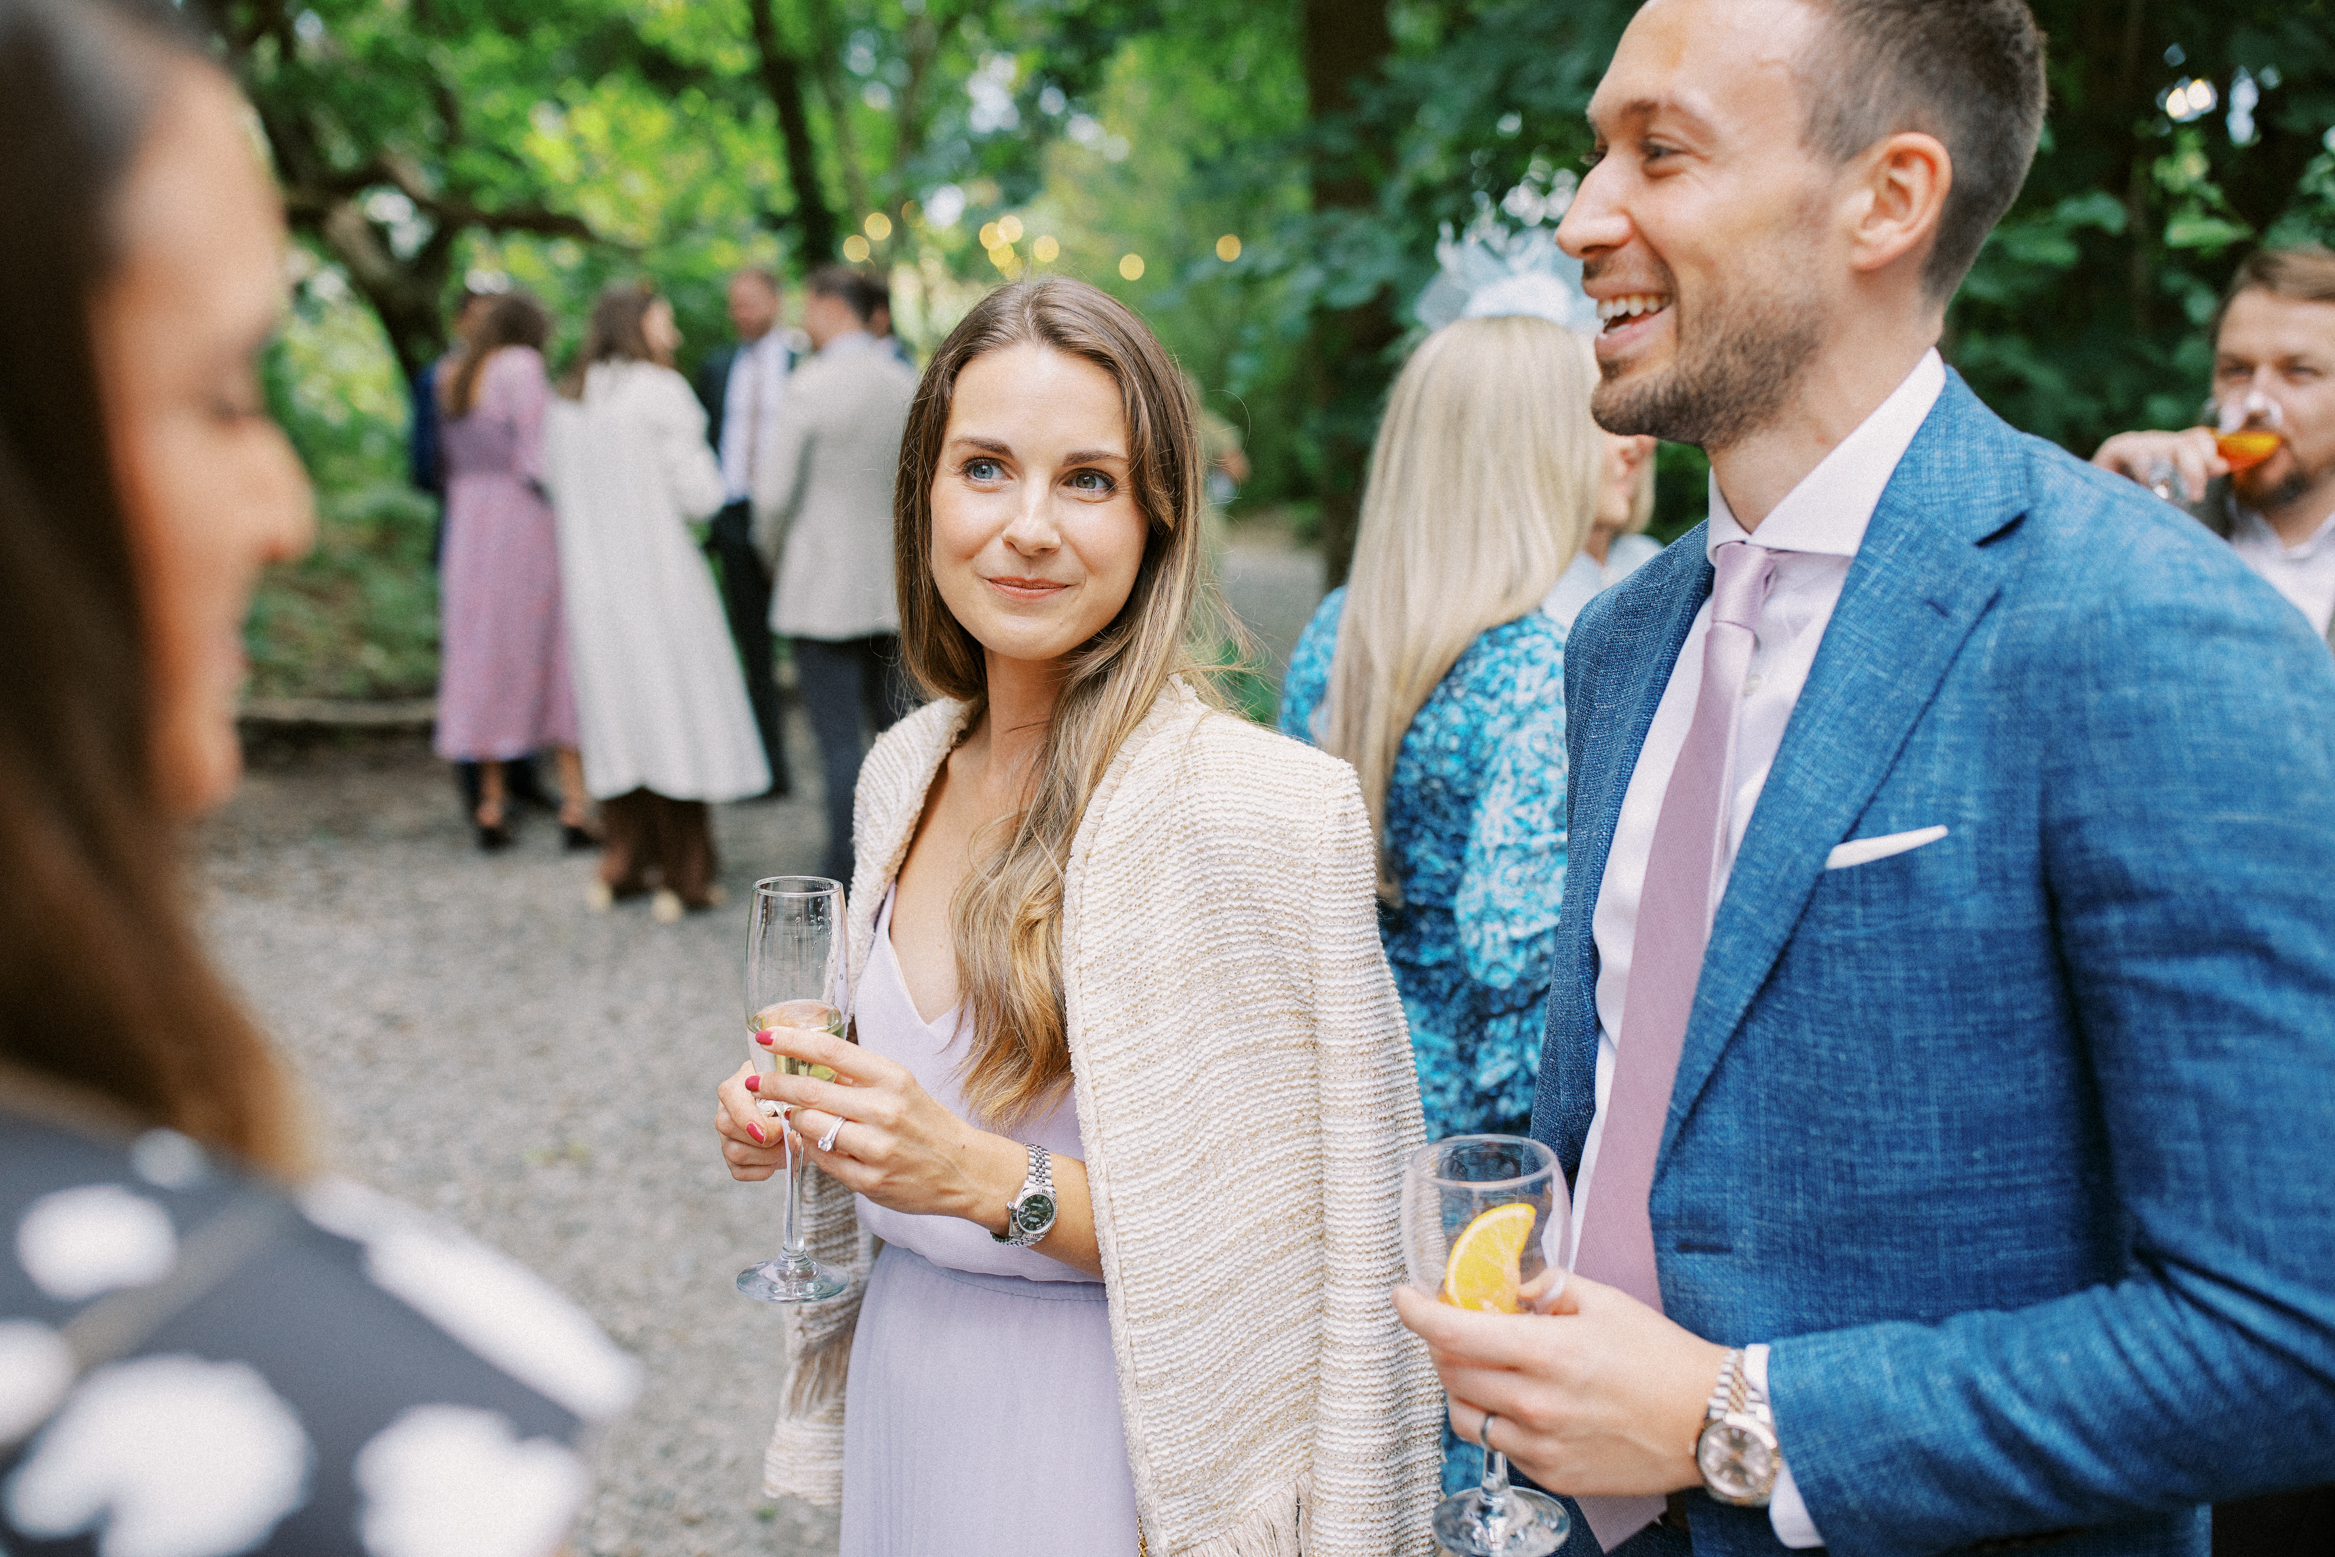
[795, 977]
[1485, 1223]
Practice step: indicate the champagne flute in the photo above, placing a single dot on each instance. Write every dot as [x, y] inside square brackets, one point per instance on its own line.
[1486, 1222]
[795, 977]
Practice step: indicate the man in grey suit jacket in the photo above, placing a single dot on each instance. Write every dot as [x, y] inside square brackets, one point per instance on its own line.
[1940, 1033]
[823, 520]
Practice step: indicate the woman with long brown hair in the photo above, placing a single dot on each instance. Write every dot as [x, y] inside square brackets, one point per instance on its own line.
[187, 1361]
[504, 689]
[662, 703]
[1131, 1091]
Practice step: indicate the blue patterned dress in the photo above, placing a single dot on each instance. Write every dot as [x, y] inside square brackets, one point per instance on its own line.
[1475, 820]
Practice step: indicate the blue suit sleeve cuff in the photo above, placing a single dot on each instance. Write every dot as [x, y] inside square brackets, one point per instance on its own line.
[1787, 1513]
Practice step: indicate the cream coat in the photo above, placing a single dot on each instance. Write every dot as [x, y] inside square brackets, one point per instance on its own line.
[1246, 1098]
[660, 700]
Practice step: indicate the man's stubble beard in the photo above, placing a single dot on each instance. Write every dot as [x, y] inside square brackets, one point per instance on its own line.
[1730, 377]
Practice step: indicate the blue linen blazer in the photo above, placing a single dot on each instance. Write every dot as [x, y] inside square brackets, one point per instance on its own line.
[2017, 1146]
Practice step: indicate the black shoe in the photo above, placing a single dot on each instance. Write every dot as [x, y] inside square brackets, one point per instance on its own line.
[577, 839]
[494, 839]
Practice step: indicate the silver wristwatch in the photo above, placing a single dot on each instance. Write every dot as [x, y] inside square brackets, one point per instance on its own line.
[1737, 1450]
[1029, 1216]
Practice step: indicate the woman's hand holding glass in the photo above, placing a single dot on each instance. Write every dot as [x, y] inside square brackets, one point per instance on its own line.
[890, 1140]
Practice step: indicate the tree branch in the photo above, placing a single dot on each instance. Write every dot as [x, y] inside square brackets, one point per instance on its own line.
[782, 77]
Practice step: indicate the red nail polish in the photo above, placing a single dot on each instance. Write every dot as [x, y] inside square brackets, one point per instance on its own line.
[758, 1135]
[763, 1039]
[753, 1083]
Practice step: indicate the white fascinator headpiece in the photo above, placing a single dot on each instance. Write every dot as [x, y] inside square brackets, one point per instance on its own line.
[1490, 272]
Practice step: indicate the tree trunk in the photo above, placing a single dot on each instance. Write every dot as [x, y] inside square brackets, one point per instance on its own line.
[829, 68]
[1344, 43]
[782, 77]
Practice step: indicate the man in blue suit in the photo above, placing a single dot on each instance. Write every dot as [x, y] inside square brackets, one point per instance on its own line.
[1942, 1041]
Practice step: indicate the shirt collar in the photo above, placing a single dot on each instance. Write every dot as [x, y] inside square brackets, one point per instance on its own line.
[1828, 511]
[846, 343]
[2257, 529]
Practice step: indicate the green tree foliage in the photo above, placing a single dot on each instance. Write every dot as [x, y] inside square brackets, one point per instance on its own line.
[566, 143]
[2086, 313]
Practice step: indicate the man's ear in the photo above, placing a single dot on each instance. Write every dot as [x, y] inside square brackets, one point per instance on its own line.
[1900, 189]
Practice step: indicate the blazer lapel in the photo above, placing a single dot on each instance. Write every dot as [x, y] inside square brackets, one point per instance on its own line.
[1919, 584]
[1651, 615]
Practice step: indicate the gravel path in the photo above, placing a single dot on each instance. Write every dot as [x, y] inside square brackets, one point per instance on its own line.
[475, 1041]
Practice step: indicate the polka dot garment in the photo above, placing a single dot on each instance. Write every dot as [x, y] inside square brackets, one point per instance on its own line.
[193, 1366]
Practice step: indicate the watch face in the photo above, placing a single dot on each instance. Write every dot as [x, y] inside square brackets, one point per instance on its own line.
[1036, 1211]
[1738, 1462]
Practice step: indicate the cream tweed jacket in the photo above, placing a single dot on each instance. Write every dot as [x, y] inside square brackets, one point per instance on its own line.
[1246, 1101]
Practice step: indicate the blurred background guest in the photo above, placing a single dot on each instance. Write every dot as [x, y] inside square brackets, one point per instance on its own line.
[665, 721]
[422, 454]
[193, 1363]
[504, 690]
[426, 469]
[823, 520]
[2263, 476]
[742, 387]
[1618, 544]
[1436, 674]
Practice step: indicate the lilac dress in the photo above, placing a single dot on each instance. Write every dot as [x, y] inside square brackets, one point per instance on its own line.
[981, 1413]
[503, 684]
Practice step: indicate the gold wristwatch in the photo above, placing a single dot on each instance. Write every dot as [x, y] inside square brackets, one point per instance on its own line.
[1737, 1451]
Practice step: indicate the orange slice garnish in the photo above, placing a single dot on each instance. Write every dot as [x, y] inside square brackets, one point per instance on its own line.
[1486, 1263]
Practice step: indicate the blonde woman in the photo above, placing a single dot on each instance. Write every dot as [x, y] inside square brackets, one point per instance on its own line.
[1435, 673]
[1131, 1095]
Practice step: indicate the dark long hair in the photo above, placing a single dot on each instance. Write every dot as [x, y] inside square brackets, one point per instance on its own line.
[614, 335]
[514, 319]
[103, 985]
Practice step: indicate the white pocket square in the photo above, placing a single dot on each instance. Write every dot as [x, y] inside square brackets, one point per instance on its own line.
[1864, 851]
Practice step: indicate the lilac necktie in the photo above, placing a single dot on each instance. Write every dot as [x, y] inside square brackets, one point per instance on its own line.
[1666, 960]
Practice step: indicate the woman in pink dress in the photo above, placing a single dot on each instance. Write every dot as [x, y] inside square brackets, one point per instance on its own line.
[504, 691]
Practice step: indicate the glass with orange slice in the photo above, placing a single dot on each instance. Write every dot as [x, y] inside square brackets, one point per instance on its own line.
[1486, 1222]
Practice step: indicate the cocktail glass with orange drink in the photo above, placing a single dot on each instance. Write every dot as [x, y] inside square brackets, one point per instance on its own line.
[1486, 1226]
[2248, 433]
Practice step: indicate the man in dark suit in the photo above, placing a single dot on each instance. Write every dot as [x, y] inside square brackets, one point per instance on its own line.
[1940, 1037]
[743, 387]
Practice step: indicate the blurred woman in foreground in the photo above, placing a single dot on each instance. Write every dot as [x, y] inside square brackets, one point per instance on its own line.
[666, 724]
[1130, 1100]
[188, 1359]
